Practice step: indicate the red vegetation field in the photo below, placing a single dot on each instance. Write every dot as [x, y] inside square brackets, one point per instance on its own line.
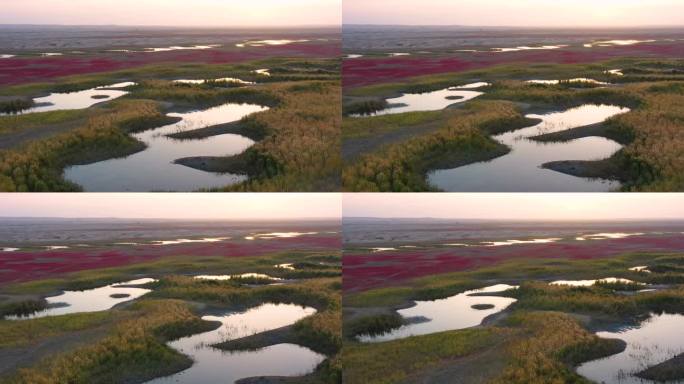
[26, 266]
[368, 71]
[24, 70]
[367, 271]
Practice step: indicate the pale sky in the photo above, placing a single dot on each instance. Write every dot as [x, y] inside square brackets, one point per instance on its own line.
[586, 13]
[518, 206]
[173, 206]
[224, 13]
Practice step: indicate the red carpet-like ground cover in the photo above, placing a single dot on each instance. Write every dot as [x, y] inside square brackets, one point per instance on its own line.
[26, 266]
[36, 69]
[375, 270]
[369, 71]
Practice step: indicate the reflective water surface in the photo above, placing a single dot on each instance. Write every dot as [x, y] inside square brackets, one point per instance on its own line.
[288, 266]
[431, 101]
[517, 242]
[182, 48]
[212, 365]
[612, 43]
[520, 170]
[278, 235]
[263, 43]
[153, 169]
[452, 313]
[608, 235]
[91, 300]
[576, 80]
[652, 342]
[527, 48]
[242, 276]
[78, 100]
[588, 283]
[220, 80]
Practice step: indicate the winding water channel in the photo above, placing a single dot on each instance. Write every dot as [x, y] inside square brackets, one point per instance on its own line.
[655, 340]
[153, 169]
[212, 365]
[431, 101]
[77, 100]
[91, 300]
[465, 310]
[521, 171]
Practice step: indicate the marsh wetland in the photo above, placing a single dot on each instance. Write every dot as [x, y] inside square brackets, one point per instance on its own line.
[198, 309]
[488, 314]
[154, 118]
[478, 116]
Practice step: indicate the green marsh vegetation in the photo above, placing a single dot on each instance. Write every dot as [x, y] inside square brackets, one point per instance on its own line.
[128, 342]
[539, 339]
[298, 137]
[651, 131]
[14, 105]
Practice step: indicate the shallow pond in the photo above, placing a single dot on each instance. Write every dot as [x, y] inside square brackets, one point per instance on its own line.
[182, 48]
[576, 80]
[652, 342]
[242, 276]
[220, 80]
[381, 249]
[264, 43]
[212, 365]
[153, 169]
[288, 266]
[527, 48]
[91, 300]
[518, 242]
[520, 170]
[431, 101]
[187, 241]
[452, 313]
[608, 235]
[612, 43]
[589, 283]
[278, 235]
[78, 100]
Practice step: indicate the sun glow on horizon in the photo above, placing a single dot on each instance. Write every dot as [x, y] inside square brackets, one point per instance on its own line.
[519, 13]
[209, 13]
[516, 206]
[221, 206]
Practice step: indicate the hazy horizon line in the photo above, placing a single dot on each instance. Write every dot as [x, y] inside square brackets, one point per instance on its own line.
[556, 26]
[168, 218]
[642, 219]
[205, 26]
